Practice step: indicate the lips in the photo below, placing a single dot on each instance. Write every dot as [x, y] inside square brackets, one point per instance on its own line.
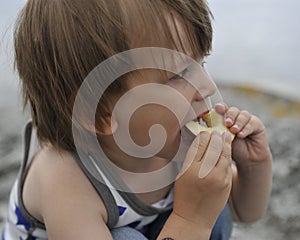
[199, 117]
[192, 115]
[185, 132]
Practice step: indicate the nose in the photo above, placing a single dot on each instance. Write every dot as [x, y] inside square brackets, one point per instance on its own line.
[204, 85]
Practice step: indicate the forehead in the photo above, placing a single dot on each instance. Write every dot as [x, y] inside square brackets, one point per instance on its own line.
[184, 38]
[171, 32]
[174, 34]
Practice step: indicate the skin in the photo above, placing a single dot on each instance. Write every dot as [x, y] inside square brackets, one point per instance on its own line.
[252, 178]
[69, 200]
[57, 192]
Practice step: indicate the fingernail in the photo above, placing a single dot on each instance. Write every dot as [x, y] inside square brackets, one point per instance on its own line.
[236, 127]
[241, 133]
[229, 120]
[220, 104]
[220, 107]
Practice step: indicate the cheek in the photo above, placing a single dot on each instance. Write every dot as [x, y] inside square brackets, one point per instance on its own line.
[200, 107]
[171, 146]
[146, 117]
[184, 89]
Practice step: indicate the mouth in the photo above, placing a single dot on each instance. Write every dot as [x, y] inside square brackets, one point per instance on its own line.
[199, 117]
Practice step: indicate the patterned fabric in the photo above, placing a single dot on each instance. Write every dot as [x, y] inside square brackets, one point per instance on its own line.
[128, 216]
[17, 226]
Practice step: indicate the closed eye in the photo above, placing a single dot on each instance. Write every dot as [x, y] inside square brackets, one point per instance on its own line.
[180, 75]
[203, 63]
[184, 72]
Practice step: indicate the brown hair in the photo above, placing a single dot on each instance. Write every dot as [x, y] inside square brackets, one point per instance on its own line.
[58, 42]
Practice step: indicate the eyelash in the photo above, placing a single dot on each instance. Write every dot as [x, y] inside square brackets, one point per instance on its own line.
[203, 63]
[181, 74]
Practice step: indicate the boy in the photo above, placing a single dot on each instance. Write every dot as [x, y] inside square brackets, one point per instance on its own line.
[60, 195]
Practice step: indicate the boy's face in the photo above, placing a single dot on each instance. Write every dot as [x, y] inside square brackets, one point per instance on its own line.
[156, 107]
[160, 103]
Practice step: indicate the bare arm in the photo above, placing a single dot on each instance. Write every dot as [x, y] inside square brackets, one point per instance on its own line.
[252, 175]
[70, 206]
[250, 192]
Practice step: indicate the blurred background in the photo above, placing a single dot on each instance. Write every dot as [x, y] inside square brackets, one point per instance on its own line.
[257, 43]
[255, 63]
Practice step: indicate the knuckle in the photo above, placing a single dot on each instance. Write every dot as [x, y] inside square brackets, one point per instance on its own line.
[222, 179]
[248, 128]
[195, 145]
[226, 155]
[243, 118]
[245, 112]
[233, 109]
[215, 149]
[223, 183]
[232, 113]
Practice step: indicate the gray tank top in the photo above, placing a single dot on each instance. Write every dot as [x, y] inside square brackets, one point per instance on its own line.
[98, 183]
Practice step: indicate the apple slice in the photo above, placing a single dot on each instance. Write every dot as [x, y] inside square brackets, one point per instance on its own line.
[214, 121]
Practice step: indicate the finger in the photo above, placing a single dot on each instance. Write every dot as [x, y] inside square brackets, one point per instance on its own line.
[198, 146]
[211, 155]
[231, 116]
[226, 151]
[241, 121]
[225, 160]
[221, 108]
[253, 126]
[196, 150]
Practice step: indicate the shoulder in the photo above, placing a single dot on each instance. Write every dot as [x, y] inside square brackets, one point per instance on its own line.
[62, 187]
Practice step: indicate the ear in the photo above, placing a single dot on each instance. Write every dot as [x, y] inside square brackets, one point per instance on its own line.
[108, 127]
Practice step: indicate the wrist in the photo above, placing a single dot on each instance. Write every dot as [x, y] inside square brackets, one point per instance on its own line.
[178, 227]
[195, 219]
[258, 173]
[255, 166]
[264, 159]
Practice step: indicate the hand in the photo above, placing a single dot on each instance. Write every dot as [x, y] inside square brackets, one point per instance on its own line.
[200, 200]
[250, 145]
[252, 176]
